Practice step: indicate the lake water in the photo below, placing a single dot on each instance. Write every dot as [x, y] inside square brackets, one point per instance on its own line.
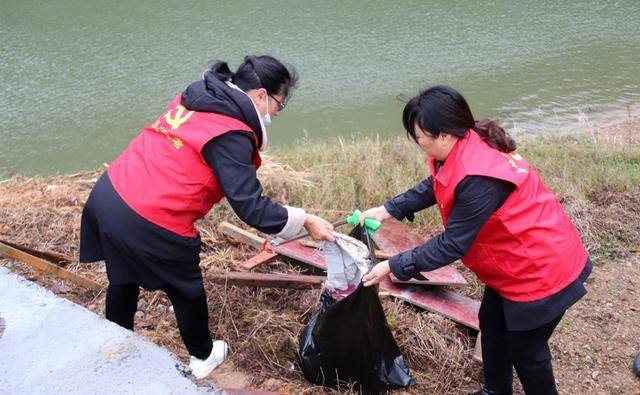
[80, 78]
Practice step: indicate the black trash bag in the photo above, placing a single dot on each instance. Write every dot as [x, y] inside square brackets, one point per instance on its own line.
[349, 341]
[359, 233]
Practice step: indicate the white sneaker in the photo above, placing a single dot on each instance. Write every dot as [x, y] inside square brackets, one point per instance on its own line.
[201, 368]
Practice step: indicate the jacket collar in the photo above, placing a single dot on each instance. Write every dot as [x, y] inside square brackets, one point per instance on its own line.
[215, 95]
[263, 129]
[443, 176]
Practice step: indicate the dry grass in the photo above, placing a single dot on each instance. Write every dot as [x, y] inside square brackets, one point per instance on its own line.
[596, 176]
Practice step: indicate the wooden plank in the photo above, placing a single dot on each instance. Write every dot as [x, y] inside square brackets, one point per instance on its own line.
[269, 280]
[297, 251]
[292, 250]
[477, 350]
[44, 267]
[241, 235]
[453, 305]
[429, 281]
[50, 256]
[396, 237]
[262, 257]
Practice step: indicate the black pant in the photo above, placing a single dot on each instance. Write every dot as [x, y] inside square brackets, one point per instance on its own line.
[191, 313]
[502, 350]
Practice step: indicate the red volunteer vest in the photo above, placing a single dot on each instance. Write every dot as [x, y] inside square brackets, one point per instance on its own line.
[528, 249]
[162, 175]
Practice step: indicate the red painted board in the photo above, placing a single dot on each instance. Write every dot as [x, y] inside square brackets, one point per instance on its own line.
[396, 237]
[299, 252]
[459, 308]
[262, 257]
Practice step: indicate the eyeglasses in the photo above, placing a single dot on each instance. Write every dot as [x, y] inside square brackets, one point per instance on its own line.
[281, 105]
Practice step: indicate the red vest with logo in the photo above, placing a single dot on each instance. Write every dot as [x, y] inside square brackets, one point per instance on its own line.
[162, 175]
[528, 249]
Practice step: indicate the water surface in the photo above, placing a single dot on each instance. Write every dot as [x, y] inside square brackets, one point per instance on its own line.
[79, 78]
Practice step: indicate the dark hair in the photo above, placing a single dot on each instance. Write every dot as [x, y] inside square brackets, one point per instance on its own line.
[259, 72]
[442, 109]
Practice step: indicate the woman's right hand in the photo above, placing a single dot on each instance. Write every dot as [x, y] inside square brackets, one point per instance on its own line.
[378, 213]
[318, 228]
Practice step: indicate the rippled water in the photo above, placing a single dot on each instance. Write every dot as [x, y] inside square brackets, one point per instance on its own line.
[79, 78]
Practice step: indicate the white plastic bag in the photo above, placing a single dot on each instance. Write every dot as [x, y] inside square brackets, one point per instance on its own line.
[347, 262]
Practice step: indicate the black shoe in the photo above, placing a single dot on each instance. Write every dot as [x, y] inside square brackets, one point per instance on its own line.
[636, 365]
[485, 391]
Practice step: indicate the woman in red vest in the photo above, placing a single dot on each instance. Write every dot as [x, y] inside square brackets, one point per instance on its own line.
[140, 215]
[504, 224]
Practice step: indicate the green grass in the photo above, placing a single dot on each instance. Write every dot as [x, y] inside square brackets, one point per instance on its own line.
[578, 165]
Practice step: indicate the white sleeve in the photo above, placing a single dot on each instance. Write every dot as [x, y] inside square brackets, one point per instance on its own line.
[295, 222]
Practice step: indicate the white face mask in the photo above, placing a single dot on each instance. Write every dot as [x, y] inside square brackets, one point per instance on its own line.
[266, 118]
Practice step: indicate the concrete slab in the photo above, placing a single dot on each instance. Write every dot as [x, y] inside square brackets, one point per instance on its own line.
[53, 346]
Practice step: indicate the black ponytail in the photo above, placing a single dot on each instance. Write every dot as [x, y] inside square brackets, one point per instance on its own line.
[494, 135]
[442, 109]
[259, 72]
[221, 71]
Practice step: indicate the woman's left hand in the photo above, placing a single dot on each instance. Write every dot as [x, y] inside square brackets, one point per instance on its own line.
[377, 274]
[379, 213]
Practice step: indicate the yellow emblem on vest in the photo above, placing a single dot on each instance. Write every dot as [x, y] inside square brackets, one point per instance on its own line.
[177, 143]
[512, 157]
[179, 118]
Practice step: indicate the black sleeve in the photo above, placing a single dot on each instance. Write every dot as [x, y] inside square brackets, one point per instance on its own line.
[476, 199]
[410, 202]
[230, 156]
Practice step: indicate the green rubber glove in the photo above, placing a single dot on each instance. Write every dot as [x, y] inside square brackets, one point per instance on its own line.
[370, 224]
